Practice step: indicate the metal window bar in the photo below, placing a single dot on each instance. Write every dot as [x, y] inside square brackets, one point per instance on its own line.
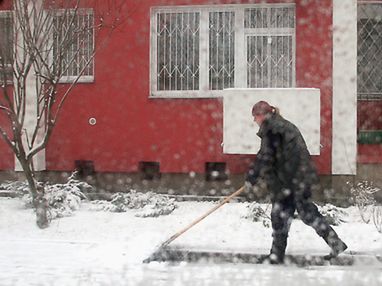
[281, 62]
[281, 17]
[256, 18]
[369, 81]
[270, 61]
[77, 50]
[178, 51]
[221, 50]
[270, 37]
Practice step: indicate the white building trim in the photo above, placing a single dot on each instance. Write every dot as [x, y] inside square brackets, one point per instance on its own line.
[344, 145]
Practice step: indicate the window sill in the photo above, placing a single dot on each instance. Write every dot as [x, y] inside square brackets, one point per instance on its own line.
[195, 94]
[83, 79]
[192, 94]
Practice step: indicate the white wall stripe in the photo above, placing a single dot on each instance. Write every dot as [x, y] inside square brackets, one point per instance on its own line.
[344, 148]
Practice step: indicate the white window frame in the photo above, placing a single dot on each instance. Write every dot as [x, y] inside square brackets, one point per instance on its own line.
[241, 34]
[82, 78]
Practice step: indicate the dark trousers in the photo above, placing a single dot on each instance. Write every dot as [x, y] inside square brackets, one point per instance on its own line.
[282, 215]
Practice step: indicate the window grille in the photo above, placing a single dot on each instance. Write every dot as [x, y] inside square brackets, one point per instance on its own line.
[270, 61]
[222, 50]
[6, 46]
[74, 44]
[369, 73]
[269, 17]
[178, 51]
[196, 51]
[369, 51]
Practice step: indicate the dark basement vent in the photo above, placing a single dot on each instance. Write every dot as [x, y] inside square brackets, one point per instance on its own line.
[216, 171]
[149, 170]
[84, 168]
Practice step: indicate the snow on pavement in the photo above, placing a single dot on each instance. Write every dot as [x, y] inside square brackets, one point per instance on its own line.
[103, 248]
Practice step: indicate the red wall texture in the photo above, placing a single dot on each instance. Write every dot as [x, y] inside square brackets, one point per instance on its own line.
[180, 134]
[6, 156]
[369, 118]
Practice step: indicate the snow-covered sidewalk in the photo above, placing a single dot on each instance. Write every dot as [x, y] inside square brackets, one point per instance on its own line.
[104, 248]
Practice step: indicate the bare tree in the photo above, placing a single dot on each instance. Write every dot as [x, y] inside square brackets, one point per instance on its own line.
[44, 43]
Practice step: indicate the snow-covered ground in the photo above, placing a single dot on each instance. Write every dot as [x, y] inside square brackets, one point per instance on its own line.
[105, 248]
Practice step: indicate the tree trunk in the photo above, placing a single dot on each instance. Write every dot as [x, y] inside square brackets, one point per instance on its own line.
[41, 206]
[40, 203]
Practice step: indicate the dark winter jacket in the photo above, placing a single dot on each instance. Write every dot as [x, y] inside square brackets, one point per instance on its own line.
[283, 160]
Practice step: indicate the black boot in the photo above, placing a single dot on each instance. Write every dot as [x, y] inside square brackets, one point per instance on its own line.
[339, 248]
[278, 249]
[336, 244]
[273, 259]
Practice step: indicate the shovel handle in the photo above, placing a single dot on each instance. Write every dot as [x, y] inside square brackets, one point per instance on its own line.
[179, 233]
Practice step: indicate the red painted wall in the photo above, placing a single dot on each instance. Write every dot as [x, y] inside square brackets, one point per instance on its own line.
[181, 134]
[314, 65]
[369, 118]
[369, 115]
[6, 156]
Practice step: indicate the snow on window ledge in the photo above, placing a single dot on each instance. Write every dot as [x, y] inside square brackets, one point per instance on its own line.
[195, 94]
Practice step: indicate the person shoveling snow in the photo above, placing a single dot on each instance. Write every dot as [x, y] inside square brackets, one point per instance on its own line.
[284, 163]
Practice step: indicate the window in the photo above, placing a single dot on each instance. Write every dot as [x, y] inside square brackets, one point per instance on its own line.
[270, 39]
[369, 51]
[221, 67]
[6, 46]
[369, 81]
[73, 44]
[196, 51]
[178, 51]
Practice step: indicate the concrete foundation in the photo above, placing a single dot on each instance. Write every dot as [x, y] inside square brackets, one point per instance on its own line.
[334, 189]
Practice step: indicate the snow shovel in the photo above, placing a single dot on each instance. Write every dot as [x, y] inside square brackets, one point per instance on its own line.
[179, 233]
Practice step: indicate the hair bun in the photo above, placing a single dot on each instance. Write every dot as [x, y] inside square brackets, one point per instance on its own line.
[262, 107]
